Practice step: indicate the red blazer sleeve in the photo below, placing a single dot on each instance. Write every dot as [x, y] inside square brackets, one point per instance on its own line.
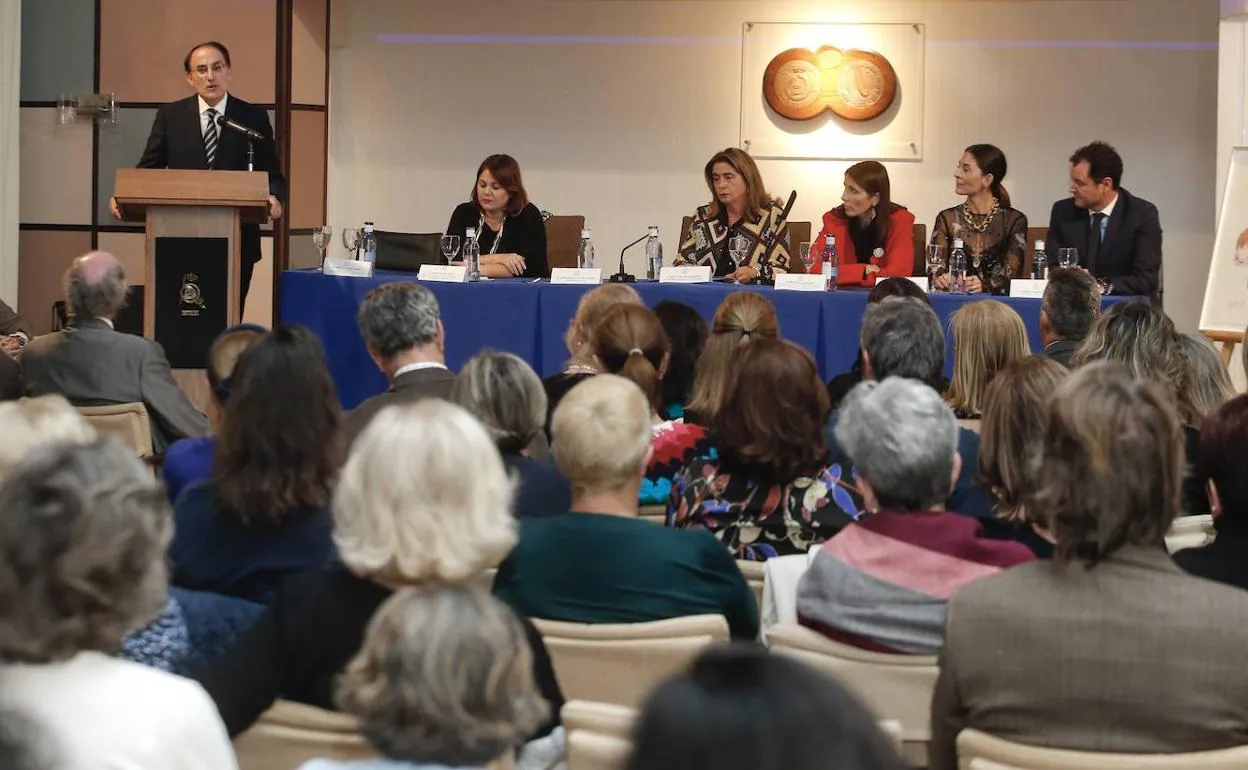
[898, 259]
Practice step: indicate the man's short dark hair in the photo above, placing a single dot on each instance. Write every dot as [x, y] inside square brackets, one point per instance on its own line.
[902, 337]
[225, 54]
[1071, 303]
[1103, 161]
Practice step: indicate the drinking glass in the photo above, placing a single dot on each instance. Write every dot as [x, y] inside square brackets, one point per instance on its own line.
[935, 259]
[1068, 257]
[808, 259]
[737, 246]
[321, 237]
[351, 241]
[450, 247]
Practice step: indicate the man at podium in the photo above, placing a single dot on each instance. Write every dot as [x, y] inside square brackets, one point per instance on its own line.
[186, 134]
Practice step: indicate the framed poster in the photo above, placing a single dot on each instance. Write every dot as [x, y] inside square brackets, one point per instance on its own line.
[832, 91]
[1225, 308]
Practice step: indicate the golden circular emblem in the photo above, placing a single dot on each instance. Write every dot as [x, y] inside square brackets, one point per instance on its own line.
[854, 84]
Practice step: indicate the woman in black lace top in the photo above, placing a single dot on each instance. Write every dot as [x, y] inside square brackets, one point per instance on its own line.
[993, 233]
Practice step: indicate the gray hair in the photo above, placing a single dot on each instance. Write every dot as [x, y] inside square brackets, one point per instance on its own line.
[1071, 302]
[902, 438]
[95, 294]
[395, 317]
[445, 677]
[1209, 381]
[506, 395]
[902, 337]
[82, 546]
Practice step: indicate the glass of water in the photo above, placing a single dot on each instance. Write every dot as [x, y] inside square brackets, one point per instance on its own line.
[450, 247]
[808, 259]
[737, 246]
[351, 241]
[321, 236]
[1068, 257]
[935, 259]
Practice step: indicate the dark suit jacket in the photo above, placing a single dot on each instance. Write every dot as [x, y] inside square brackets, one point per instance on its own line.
[91, 364]
[11, 322]
[11, 385]
[1061, 351]
[176, 141]
[1130, 656]
[1130, 253]
[406, 388]
[1226, 558]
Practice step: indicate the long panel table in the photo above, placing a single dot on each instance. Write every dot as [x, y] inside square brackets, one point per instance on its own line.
[530, 319]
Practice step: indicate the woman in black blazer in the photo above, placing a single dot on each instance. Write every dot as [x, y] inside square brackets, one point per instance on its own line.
[509, 229]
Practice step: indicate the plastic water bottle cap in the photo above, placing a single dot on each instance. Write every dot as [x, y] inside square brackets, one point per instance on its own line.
[653, 230]
[957, 243]
[470, 232]
[831, 240]
[1039, 245]
[585, 234]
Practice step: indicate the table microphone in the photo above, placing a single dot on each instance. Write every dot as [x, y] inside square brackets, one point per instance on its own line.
[623, 277]
[251, 134]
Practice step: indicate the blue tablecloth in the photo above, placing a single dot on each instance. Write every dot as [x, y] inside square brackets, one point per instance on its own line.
[530, 319]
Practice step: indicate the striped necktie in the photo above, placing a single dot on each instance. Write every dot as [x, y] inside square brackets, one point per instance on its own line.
[211, 137]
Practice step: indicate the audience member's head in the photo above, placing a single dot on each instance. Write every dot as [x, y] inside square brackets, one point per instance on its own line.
[506, 395]
[601, 437]
[686, 330]
[401, 325]
[1139, 335]
[895, 286]
[82, 551]
[589, 312]
[740, 707]
[987, 335]
[33, 422]
[904, 443]
[901, 337]
[223, 357]
[739, 320]
[629, 341]
[423, 498]
[1015, 407]
[278, 448]
[1071, 303]
[445, 678]
[1113, 460]
[775, 408]
[95, 286]
[1223, 447]
[1209, 382]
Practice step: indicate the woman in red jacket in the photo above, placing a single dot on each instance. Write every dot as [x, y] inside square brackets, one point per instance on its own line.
[874, 236]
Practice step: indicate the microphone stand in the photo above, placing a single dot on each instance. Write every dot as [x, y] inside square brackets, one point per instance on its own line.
[623, 277]
[251, 155]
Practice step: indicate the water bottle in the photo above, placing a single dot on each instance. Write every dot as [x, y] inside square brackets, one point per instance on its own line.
[585, 252]
[654, 254]
[831, 263]
[368, 243]
[957, 268]
[1040, 262]
[472, 254]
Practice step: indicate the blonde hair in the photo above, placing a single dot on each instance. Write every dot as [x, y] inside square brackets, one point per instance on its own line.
[32, 422]
[602, 431]
[756, 196]
[223, 357]
[630, 341]
[739, 319]
[506, 395]
[423, 498]
[987, 335]
[589, 311]
[1209, 381]
[445, 677]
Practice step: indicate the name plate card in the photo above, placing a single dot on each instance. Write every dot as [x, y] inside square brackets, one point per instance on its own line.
[443, 273]
[1027, 287]
[588, 276]
[685, 274]
[921, 281]
[800, 282]
[350, 268]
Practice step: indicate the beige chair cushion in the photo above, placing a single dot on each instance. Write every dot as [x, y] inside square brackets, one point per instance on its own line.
[980, 751]
[753, 572]
[594, 751]
[621, 663]
[604, 718]
[289, 734]
[128, 423]
[655, 514]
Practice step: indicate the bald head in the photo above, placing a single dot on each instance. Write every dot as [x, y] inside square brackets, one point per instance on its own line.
[95, 286]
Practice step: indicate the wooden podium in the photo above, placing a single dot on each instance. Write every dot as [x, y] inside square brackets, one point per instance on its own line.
[193, 250]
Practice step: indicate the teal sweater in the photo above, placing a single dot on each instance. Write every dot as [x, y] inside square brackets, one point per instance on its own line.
[594, 568]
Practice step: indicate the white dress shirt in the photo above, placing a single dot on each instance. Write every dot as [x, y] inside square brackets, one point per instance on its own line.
[1108, 211]
[417, 367]
[203, 113]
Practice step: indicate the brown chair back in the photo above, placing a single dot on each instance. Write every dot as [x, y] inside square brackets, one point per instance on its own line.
[563, 239]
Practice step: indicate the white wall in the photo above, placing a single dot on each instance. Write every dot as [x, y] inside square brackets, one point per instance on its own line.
[613, 106]
[10, 86]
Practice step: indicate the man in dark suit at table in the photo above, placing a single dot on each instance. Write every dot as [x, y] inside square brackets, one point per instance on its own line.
[402, 328]
[1118, 235]
[186, 135]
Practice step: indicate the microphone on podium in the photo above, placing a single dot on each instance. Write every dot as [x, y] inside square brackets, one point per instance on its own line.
[623, 277]
[250, 133]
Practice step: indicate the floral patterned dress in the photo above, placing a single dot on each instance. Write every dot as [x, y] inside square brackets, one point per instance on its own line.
[758, 521]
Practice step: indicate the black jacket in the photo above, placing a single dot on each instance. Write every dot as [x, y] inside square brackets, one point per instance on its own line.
[176, 141]
[1130, 253]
